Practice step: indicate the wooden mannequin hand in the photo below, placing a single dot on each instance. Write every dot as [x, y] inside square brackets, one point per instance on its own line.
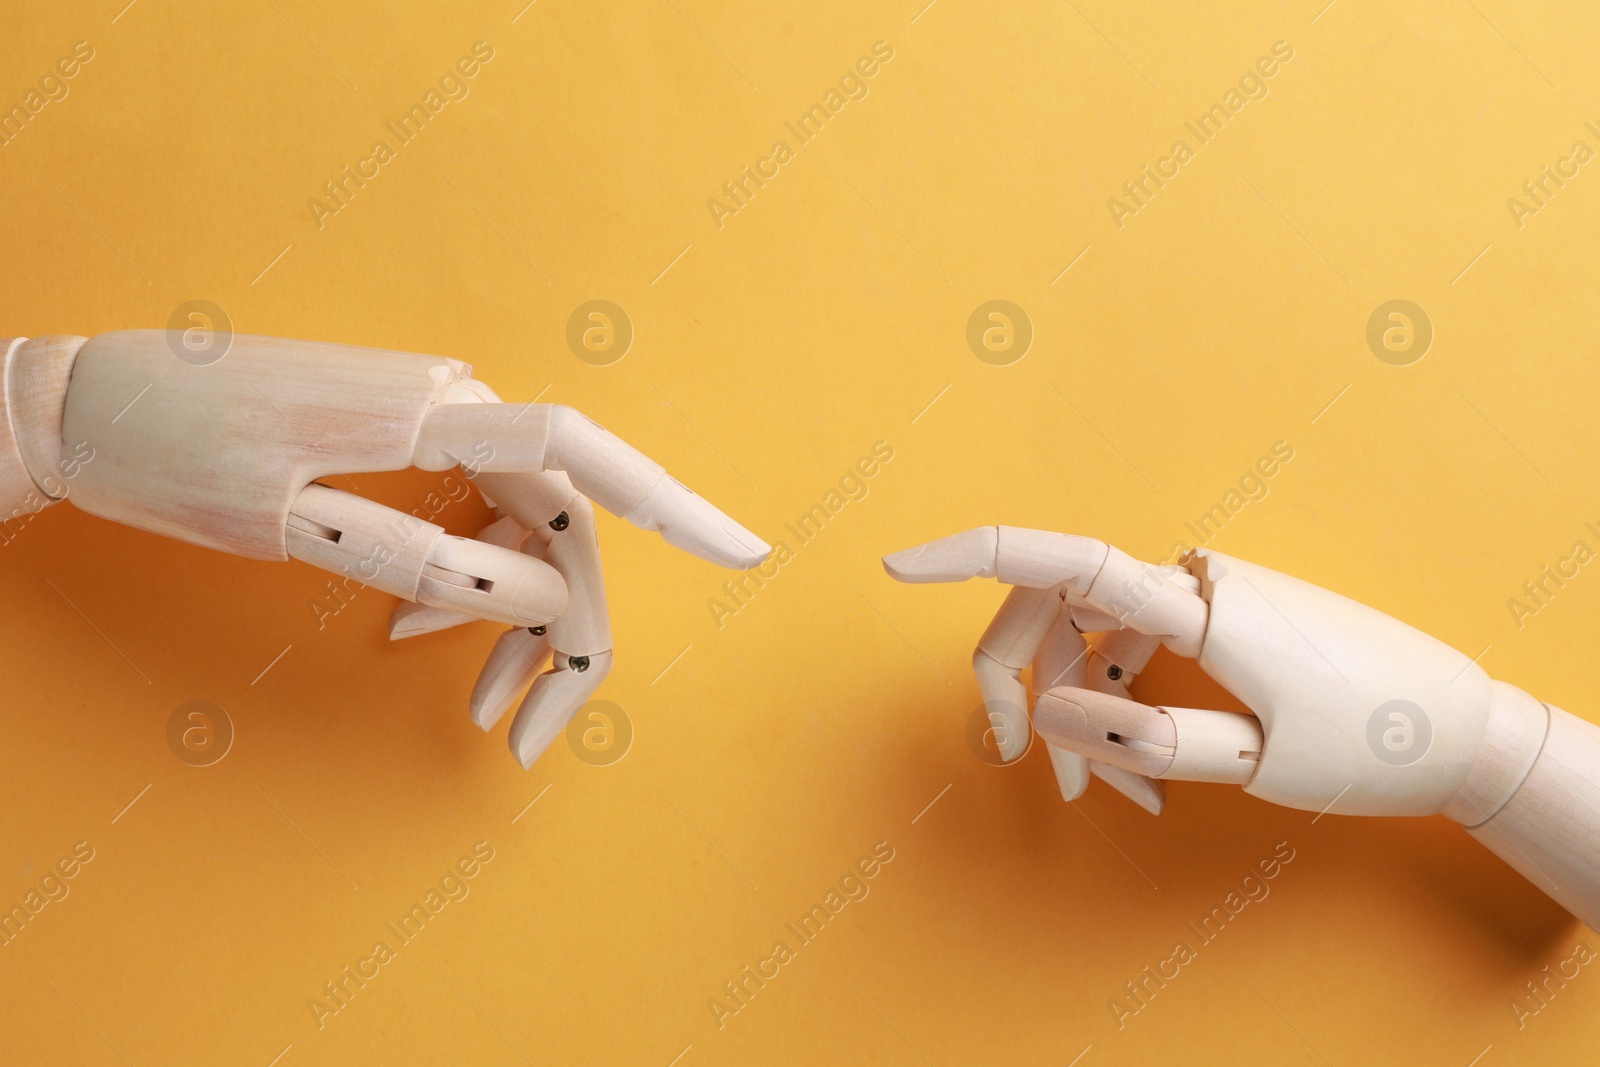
[227, 446]
[1354, 711]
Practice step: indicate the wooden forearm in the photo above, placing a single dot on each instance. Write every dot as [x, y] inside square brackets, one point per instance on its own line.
[1550, 828]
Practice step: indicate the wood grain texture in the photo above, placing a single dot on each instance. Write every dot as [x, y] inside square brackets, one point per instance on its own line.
[1550, 828]
[216, 454]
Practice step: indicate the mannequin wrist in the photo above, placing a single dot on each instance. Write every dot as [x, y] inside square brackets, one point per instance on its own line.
[1512, 741]
[33, 395]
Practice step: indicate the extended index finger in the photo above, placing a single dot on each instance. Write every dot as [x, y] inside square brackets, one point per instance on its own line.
[492, 437]
[1161, 602]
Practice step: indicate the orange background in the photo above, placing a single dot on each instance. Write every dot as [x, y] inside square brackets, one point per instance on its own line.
[773, 752]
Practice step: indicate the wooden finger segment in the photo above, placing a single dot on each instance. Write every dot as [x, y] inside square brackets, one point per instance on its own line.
[35, 470]
[1212, 746]
[1018, 629]
[1089, 621]
[1152, 600]
[956, 558]
[1111, 729]
[491, 582]
[512, 665]
[1005, 700]
[603, 467]
[1185, 744]
[1113, 663]
[1062, 659]
[584, 628]
[1071, 770]
[401, 554]
[360, 539]
[532, 498]
[410, 619]
[1045, 558]
[1115, 589]
[555, 698]
[1149, 793]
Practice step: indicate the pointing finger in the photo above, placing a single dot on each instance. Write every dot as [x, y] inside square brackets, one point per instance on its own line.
[1163, 602]
[612, 473]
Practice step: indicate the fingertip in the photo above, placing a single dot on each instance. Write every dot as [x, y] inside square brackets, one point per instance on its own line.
[1012, 744]
[511, 667]
[1071, 769]
[554, 699]
[688, 521]
[1149, 793]
[900, 565]
[527, 744]
[719, 539]
[412, 620]
[753, 551]
[721, 547]
[949, 559]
